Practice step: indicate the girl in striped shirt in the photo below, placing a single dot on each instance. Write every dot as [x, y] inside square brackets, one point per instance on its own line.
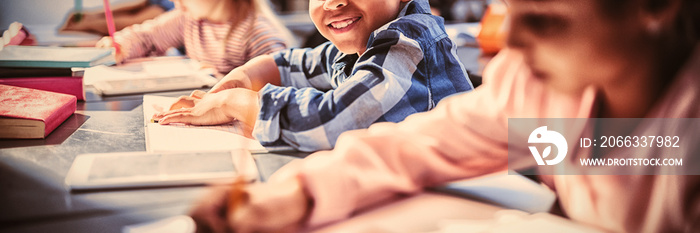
[220, 33]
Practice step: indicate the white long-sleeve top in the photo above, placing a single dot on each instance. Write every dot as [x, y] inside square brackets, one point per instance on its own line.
[203, 40]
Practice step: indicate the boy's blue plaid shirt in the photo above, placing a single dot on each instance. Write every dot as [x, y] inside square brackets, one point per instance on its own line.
[409, 65]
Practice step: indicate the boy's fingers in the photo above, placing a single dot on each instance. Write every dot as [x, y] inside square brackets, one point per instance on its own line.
[173, 116]
[183, 102]
[180, 105]
[185, 117]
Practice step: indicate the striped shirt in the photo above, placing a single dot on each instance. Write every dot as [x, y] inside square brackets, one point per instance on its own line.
[409, 65]
[203, 40]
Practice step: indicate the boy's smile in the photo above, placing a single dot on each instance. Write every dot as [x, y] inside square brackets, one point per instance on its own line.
[343, 25]
[349, 23]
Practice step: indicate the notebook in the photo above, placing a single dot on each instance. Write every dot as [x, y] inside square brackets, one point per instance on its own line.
[179, 137]
[54, 57]
[30, 113]
[148, 76]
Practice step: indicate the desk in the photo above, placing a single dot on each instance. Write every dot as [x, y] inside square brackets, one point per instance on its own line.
[34, 199]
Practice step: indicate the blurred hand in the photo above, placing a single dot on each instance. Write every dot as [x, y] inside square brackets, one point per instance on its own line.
[270, 207]
[214, 108]
[77, 23]
[209, 213]
[106, 42]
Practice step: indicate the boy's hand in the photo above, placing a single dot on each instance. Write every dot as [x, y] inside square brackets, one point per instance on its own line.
[270, 207]
[106, 42]
[214, 108]
[187, 101]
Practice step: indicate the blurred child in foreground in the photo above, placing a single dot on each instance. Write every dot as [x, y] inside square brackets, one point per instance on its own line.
[566, 59]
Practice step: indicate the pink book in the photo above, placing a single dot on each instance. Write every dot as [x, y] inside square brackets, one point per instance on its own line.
[32, 113]
[66, 85]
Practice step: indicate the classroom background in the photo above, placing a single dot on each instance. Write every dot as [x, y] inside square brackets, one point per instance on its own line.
[43, 17]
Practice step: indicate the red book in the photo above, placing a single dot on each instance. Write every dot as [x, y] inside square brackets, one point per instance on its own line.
[31, 113]
[66, 85]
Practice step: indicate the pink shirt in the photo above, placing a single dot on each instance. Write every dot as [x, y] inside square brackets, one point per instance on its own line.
[203, 40]
[466, 136]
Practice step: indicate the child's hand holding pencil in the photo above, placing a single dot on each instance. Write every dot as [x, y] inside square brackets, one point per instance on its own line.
[118, 55]
[106, 42]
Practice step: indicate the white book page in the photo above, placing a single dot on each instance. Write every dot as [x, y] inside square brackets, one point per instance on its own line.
[163, 138]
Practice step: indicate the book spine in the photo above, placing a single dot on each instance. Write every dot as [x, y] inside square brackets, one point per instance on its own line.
[60, 115]
[66, 85]
[15, 72]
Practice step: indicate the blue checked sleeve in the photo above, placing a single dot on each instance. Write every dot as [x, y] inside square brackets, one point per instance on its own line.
[305, 67]
[309, 117]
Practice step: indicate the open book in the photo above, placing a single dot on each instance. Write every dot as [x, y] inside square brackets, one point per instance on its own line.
[161, 138]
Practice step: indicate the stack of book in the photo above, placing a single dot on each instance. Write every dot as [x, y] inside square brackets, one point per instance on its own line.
[50, 68]
[30, 113]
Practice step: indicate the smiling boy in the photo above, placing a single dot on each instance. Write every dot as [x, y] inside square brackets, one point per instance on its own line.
[386, 59]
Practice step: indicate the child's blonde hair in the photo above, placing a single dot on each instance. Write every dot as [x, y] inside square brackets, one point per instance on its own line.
[263, 8]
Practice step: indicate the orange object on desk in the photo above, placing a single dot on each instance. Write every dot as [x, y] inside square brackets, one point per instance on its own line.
[492, 36]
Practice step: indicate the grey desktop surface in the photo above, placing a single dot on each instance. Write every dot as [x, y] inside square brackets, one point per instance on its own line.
[33, 197]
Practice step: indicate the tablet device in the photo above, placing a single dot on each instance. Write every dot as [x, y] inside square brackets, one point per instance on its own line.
[145, 169]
